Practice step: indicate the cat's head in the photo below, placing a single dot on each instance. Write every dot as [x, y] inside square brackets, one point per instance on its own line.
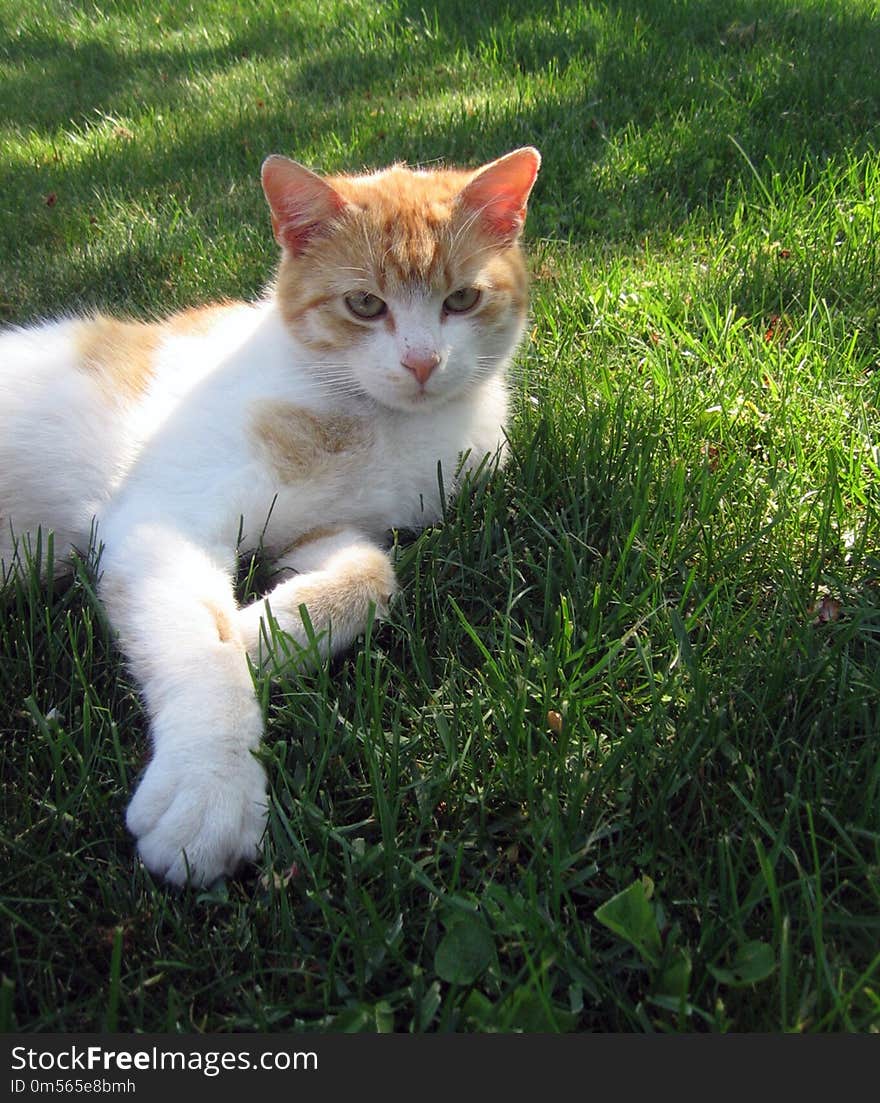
[407, 285]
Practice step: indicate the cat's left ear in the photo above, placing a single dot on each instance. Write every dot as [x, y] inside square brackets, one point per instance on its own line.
[300, 202]
[500, 190]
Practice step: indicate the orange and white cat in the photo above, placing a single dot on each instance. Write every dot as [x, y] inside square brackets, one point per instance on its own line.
[379, 352]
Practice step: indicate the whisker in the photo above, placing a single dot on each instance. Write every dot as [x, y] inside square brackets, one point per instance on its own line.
[475, 253]
[467, 225]
[369, 245]
[325, 364]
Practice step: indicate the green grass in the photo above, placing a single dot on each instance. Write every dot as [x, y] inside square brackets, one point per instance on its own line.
[642, 660]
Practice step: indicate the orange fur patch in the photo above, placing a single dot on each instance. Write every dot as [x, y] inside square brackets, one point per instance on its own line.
[347, 592]
[301, 445]
[196, 319]
[118, 354]
[507, 290]
[313, 535]
[225, 628]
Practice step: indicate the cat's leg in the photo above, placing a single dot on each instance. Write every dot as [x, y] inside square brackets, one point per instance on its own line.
[200, 807]
[339, 575]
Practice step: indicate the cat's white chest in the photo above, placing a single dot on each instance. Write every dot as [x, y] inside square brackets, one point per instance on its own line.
[386, 470]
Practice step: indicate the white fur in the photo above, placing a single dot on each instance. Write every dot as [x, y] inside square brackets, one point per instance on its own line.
[173, 479]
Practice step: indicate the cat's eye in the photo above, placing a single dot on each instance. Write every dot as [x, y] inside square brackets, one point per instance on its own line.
[461, 301]
[363, 304]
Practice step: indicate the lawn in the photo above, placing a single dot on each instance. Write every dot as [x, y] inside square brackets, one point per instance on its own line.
[614, 762]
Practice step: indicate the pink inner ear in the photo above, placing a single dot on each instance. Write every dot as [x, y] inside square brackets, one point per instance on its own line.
[500, 191]
[299, 201]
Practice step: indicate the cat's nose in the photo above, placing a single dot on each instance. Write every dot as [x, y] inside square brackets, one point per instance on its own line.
[421, 364]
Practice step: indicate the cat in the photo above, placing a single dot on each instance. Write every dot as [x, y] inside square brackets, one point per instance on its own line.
[379, 351]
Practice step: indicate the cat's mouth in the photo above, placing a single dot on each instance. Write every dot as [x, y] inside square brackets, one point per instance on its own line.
[424, 397]
[415, 402]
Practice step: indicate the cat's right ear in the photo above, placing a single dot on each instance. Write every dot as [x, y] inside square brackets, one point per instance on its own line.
[300, 202]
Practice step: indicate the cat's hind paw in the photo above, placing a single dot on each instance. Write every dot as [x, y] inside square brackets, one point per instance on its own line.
[195, 827]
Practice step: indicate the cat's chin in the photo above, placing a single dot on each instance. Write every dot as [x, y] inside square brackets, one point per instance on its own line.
[422, 402]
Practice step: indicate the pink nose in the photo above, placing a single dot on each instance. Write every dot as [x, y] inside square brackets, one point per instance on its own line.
[421, 364]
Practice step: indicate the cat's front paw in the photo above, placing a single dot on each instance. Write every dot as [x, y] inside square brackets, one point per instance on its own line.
[195, 823]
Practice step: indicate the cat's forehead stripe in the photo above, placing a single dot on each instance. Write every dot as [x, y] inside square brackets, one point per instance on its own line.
[412, 259]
